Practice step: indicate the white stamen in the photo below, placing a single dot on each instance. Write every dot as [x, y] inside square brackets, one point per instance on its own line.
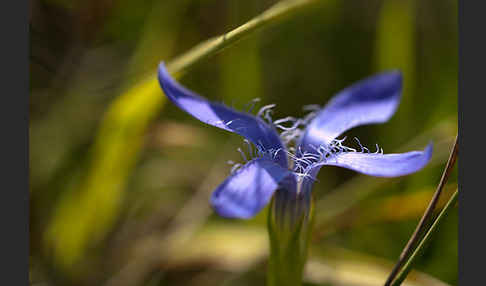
[242, 154]
[252, 104]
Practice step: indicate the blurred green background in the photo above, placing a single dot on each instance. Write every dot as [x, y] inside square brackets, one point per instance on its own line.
[120, 178]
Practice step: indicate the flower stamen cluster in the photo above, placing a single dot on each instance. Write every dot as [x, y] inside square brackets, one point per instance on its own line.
[301, 162]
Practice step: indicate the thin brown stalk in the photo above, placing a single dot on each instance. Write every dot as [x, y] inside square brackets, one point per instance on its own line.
[421, 227]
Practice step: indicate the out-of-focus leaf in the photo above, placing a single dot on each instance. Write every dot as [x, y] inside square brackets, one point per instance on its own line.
[241, 67]
[226, 246]
[84, 214]
[395, 49]
[395, 208]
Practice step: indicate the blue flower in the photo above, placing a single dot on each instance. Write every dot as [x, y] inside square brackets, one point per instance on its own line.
[289, 161]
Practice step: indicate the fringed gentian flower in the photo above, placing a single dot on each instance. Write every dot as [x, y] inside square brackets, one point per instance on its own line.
[285, 165]
[275, 164]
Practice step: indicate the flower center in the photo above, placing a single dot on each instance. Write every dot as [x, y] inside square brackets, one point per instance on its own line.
[301, 163]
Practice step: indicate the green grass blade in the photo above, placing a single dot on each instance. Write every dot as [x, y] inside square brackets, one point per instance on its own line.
[408, 265]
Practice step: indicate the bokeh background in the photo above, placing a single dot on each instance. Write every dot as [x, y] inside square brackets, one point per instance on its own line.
[120, 178]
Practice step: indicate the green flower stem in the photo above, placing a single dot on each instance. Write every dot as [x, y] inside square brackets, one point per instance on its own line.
[290, 224]
[408, 265]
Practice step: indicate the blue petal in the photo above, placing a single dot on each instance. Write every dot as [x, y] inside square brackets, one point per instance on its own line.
[388, 165]
[249, 189]
[218, 115]
[372, 100]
